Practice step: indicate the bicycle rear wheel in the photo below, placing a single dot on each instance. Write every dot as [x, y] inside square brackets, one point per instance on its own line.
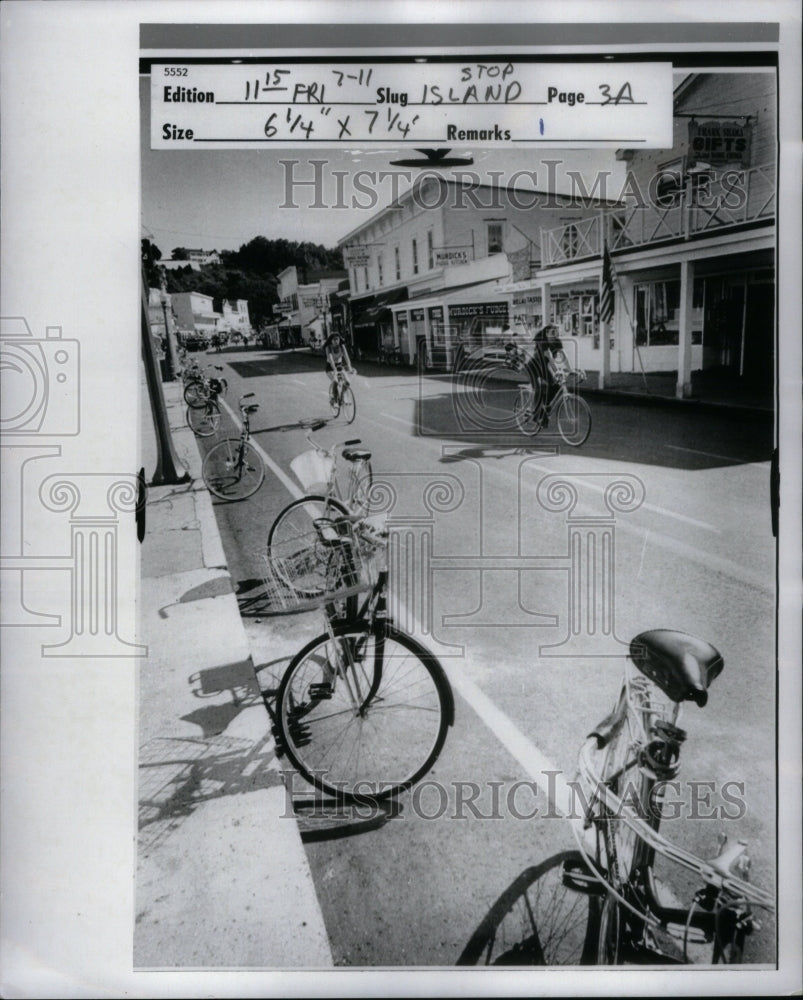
[540, 919]
[364, 714]
[204, 422]
[355, 484]
[295, 525]
[526, 415]
[348, 405]
[195, 395]
[233, 470]
[573, 419]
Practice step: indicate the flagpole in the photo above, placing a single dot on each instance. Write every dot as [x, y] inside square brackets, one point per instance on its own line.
[604, 375]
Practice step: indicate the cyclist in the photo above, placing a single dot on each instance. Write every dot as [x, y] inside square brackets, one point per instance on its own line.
[337, 356]
[538, 365]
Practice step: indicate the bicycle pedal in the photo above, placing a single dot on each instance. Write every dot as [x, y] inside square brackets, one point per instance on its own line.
[320, 692]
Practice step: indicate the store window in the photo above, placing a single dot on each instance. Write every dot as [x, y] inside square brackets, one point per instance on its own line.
[657, 313]
[495, 237]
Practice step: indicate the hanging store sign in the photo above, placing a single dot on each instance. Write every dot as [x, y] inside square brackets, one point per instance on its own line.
[718, 143]
[470, 309]
[357, 256]
[449, 258]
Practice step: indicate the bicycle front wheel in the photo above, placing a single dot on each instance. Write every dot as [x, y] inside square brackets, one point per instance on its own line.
[525, 414]
[348, 405]
[364, 714]
[204, 422]
[295, 527]
[334, 398]
[233, 470]
[574, 419]
[540, 919]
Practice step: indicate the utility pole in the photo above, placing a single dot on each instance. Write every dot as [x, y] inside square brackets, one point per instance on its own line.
[170, 345]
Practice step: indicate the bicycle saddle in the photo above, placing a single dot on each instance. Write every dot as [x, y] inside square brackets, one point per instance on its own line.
[682, 666]
[252, 408]
[356, 454]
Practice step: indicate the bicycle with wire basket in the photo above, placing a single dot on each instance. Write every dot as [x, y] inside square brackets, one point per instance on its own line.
[628, 894]
[233, 469]
[362, 710]
[536, 404]
[330, 494]
[341, 395]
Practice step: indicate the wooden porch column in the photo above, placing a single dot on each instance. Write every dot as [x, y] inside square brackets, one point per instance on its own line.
[683, 388]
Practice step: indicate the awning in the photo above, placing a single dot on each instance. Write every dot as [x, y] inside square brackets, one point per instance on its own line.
[365, 312]
[484, 291]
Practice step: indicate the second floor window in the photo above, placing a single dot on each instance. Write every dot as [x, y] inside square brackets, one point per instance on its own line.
[415, 256]
[380, 270]
[365, 277]
[430, 251]
[397, 260]
[495, 240]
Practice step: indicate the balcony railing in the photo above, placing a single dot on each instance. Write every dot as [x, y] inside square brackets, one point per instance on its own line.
[707, 203]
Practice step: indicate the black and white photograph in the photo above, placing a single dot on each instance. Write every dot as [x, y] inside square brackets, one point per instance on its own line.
[401, 501]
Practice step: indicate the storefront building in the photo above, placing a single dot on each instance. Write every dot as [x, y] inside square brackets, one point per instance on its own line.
[692, 247]
[424, 272]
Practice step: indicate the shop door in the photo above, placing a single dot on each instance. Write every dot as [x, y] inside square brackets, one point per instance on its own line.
[758, 364]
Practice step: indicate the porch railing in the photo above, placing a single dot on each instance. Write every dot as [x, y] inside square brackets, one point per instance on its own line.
[707, 203]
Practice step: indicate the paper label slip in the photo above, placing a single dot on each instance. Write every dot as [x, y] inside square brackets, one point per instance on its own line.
[434, 105]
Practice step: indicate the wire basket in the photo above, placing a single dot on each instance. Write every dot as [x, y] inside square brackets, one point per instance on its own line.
[313, 469]
[316, 568]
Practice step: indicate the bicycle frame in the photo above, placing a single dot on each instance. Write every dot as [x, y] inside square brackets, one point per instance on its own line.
[721, 910]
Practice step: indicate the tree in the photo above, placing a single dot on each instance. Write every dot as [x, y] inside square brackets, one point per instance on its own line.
[180, 253]
[151, 254]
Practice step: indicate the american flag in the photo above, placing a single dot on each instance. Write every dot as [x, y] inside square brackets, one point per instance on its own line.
[606, 292]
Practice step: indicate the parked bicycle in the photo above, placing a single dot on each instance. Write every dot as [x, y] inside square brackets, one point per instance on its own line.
[341, 395]
[628, 894]
[331, 493]
[536, 404]
[362, 710]
[389, 354]
[233, 469]
[204, 419]
[200, 385]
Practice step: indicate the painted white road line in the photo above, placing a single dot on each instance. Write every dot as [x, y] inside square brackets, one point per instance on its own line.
[282, 476]
[536, 764]
[763, 466]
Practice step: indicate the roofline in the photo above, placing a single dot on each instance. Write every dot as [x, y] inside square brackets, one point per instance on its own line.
[407, 196]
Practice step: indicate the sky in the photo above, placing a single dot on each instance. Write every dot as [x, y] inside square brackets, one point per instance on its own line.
[221, 199]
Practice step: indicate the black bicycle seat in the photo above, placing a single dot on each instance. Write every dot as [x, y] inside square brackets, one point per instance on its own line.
[252, 408]
[681, 665]
[356, 454]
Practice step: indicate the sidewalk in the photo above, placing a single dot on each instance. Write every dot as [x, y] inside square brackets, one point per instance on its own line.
[707, 390]
[222, 877]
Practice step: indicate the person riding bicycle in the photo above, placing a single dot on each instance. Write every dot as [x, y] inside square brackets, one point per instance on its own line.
[538, 366]
[337, 357]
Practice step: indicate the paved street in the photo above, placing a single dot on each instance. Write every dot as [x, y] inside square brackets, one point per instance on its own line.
[532, 665]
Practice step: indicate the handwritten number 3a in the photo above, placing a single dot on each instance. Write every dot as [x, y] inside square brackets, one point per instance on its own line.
[625, 95]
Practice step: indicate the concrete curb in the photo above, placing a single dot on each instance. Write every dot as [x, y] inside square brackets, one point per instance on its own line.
[223, 880]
